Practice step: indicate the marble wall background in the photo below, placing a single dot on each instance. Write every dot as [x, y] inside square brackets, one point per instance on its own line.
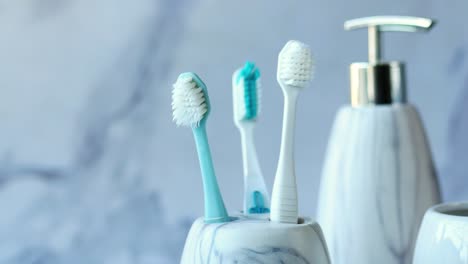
[93, 171]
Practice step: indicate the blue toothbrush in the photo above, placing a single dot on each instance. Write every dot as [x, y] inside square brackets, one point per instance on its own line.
[191, 107]
[246, 102]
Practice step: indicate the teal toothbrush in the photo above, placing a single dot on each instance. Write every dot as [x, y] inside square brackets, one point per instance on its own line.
[246, 103]
[191, 107]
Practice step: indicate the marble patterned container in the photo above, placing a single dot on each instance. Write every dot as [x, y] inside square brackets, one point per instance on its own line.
[378, 181]
[246, 240]
[443, 237]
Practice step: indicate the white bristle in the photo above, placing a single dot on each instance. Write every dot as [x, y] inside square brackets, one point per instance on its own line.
[295, 66]
[238, 95]
[259, 96]
[188, 102]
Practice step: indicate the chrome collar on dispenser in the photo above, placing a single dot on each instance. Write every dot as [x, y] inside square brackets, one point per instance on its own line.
[377, 82]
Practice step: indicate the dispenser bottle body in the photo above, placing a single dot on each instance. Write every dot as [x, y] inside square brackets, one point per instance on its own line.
[378, 180]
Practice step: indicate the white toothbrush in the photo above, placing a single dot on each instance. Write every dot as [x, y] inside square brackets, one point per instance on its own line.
[294, 73]
[246, 103]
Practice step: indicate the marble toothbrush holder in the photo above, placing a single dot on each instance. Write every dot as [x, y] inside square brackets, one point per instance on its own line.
[248, 240]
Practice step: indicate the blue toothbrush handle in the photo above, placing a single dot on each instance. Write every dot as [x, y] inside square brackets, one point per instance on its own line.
[215, 211]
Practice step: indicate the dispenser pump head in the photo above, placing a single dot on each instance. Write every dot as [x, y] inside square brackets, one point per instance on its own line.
[379, 82]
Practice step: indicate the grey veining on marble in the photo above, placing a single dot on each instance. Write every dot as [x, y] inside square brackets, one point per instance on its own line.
[246, 241]
[378, 180]
[98, 206]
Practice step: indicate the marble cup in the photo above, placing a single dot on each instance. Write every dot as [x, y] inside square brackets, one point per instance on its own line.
[443, 237]
[248, 240]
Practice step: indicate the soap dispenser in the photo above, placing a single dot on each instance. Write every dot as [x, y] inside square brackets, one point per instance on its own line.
[378, 177]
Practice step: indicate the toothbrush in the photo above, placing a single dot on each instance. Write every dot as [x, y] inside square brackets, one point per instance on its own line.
[191, 107]
[294, 73]
[246, 103]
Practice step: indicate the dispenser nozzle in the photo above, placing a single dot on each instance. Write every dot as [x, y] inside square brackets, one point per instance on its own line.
[378, 24]
[377, 82]
[374, 44]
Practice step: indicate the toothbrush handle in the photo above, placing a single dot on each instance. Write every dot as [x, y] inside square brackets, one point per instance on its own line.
[249, 155]
[215, 211]
[284, 196]
[253, 177]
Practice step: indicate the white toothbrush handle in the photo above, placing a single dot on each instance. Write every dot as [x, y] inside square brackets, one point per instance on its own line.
[253, 178]
[284, 196]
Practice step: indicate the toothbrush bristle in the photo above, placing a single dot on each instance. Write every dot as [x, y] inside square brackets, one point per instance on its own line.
[248, 92]
[295, 64]
[188, 102]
